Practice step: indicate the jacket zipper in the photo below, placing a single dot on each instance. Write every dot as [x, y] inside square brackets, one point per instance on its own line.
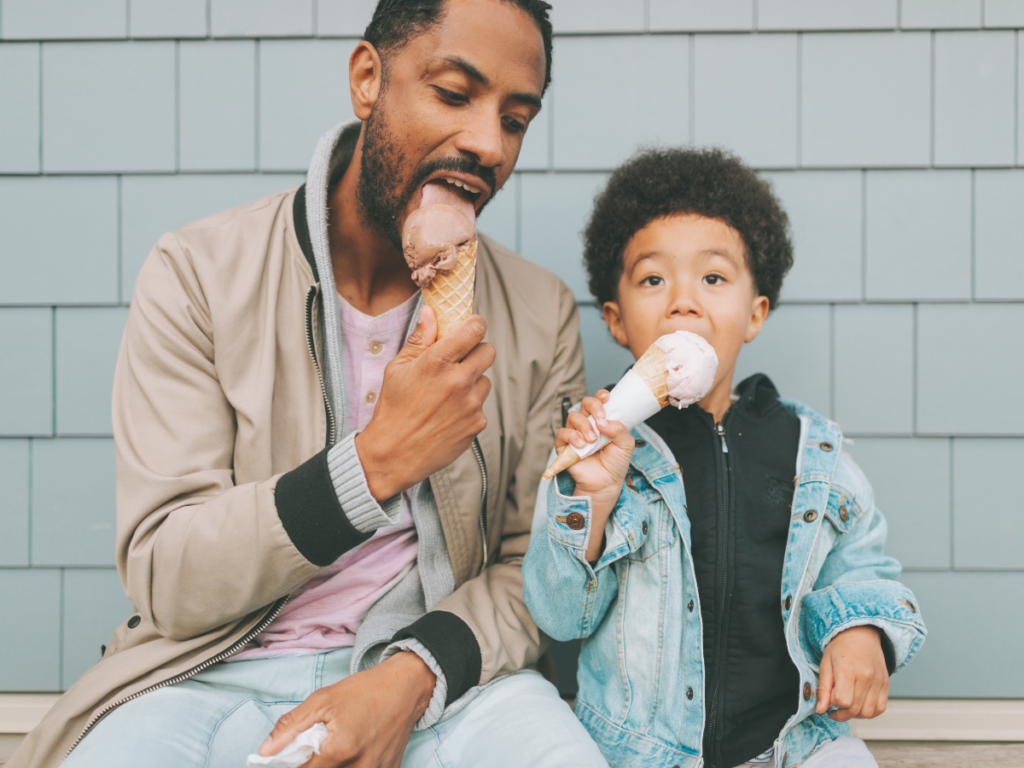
[235, 648]
[479, 455]
[720, 619]
[331, 426]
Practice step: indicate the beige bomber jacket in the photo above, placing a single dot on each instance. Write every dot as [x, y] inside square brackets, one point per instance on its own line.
[224, 503]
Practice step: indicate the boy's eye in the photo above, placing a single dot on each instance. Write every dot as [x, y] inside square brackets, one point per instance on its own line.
[652, 280]
[713, 279]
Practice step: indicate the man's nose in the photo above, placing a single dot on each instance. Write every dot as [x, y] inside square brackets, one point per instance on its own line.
[482, 138]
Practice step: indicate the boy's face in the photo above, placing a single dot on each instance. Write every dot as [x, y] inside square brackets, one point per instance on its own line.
[688, 273]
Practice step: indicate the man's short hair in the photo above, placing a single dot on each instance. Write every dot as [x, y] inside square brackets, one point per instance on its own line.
[396, 22]
[707, 182]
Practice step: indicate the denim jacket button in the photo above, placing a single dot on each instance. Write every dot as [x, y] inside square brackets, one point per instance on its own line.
[689, 606]
[576, 521]
[689, 693]
[826, 447]
[810, 515]
[843, 514]
[789, 602]
[643, 527]
[641, 443]
[807, 691]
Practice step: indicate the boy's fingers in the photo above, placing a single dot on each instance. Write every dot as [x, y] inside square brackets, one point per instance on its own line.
[566, 436]
[581, 424]
[591, 406]
[620, 436]
[825, 673]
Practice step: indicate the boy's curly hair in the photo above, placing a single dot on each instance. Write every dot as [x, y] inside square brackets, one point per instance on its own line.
[708, 182]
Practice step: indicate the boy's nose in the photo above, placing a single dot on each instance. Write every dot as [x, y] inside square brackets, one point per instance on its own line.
[684, 302]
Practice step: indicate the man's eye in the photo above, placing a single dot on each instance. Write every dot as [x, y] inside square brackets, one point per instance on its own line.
[516, 125]
[452, 96]
[652, 280]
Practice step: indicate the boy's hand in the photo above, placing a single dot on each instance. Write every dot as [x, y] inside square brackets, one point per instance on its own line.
[599, 476]
[853, 675]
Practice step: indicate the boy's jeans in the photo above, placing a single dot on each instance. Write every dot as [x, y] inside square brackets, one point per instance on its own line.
[844, 752]
[220, 716]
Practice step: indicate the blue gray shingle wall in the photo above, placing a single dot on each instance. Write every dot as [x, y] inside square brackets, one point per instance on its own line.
[891, 129]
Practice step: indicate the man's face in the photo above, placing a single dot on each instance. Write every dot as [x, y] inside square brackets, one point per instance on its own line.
[687, 273]
[451, 115]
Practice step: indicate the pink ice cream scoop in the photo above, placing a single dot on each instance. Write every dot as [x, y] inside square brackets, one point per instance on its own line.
[692, 363]
[431, 239]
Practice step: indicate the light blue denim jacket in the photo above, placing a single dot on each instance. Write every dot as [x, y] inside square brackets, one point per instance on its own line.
[641, 671]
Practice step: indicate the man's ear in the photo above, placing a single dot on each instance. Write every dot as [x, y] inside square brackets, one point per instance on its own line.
[365, 74]
[613, 317]
[758, 314]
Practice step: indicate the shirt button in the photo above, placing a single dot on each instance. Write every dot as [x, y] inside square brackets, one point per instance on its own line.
[575, 520]
[810, 515]
[376, 348]
[689, 606]
[689, 693]
[371, 397]
[807, 691]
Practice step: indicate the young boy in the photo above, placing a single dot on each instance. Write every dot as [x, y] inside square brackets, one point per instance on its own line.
[723, 563]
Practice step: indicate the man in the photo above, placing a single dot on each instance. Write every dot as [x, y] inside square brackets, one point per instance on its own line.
[264, 451]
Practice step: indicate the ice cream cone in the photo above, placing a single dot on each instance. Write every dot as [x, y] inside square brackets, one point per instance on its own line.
[652, 368]
[450, 294]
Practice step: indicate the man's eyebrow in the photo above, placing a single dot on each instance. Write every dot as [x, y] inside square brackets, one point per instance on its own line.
[473, 73]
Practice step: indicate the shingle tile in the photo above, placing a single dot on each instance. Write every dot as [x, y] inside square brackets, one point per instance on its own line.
[88, 340]
[700, 16]
[261, 18]
[598, 16]
[940, 14]
[26, 371]
[824, 209]
[1004, 13]
[998, 236]
[56, 19]
[108, 107]
[986, 527]
[94, 606]
[971, 651]
[30, 631]
[535, 152]
[14, 476]
[500, 219]
[969, 369]
[737, 77]
[648, 109]
[35, 268]
[974, 98]
[605, 360]
[343, 18]
[910, 478]
[19, 119]
[303, 94]
[918, 235]
[73, 501]
[217, 105]
[553, 211]
[866, 99]
[793, 349]
[835, 14]
[874, 358]
[153, 205]
[158, 18]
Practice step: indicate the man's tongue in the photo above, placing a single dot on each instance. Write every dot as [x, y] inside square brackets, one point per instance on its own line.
[447, 194]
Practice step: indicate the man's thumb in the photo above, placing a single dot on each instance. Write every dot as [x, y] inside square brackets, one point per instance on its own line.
[825, 682]
[422, 336]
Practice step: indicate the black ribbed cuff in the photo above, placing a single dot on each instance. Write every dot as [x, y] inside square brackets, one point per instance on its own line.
[453, 645]
[888, 651]
[312, 515]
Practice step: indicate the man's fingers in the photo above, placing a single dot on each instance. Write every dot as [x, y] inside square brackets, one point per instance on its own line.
[422, 336]
[288, 726]
[462, 339]
[478, 360]
[825, 679]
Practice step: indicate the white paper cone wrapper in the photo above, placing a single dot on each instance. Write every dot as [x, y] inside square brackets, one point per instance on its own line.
[631, 402]
[295, 754]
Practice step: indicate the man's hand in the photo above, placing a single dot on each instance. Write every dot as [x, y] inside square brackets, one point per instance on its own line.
[599, 476]
[369, 716]
[853, 675]
[430, 406]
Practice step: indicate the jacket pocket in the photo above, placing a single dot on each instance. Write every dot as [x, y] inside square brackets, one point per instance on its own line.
[842, 510]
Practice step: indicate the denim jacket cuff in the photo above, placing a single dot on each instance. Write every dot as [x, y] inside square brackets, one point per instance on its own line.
[569, 517]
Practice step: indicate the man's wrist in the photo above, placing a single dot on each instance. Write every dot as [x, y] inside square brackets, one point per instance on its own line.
[420, 678]
[379, 472]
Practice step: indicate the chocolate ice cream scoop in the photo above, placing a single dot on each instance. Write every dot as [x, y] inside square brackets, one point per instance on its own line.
[431, 240]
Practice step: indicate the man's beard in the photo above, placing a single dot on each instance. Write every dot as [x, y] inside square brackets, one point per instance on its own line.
[380, 191]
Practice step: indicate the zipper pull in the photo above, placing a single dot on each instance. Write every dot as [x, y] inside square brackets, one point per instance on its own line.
[720, 429]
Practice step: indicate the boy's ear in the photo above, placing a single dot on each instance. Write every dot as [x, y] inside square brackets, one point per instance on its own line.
[364, 78]
[758, 314]
[613, 317]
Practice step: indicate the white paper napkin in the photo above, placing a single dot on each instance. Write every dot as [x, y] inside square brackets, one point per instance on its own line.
[295, 754]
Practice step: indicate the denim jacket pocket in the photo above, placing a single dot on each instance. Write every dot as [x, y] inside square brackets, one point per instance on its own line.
[650, 529]
[842, 510]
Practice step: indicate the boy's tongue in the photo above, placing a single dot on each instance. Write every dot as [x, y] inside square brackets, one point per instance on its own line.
[447, 194]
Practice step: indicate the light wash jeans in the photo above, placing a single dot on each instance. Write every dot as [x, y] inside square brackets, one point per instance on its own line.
[220, 716]
[844, 752]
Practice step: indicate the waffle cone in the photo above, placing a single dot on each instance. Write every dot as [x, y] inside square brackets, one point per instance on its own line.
[652, 367]
[451, 295]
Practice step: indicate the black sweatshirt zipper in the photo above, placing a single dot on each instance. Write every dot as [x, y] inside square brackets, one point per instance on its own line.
[723, 568]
